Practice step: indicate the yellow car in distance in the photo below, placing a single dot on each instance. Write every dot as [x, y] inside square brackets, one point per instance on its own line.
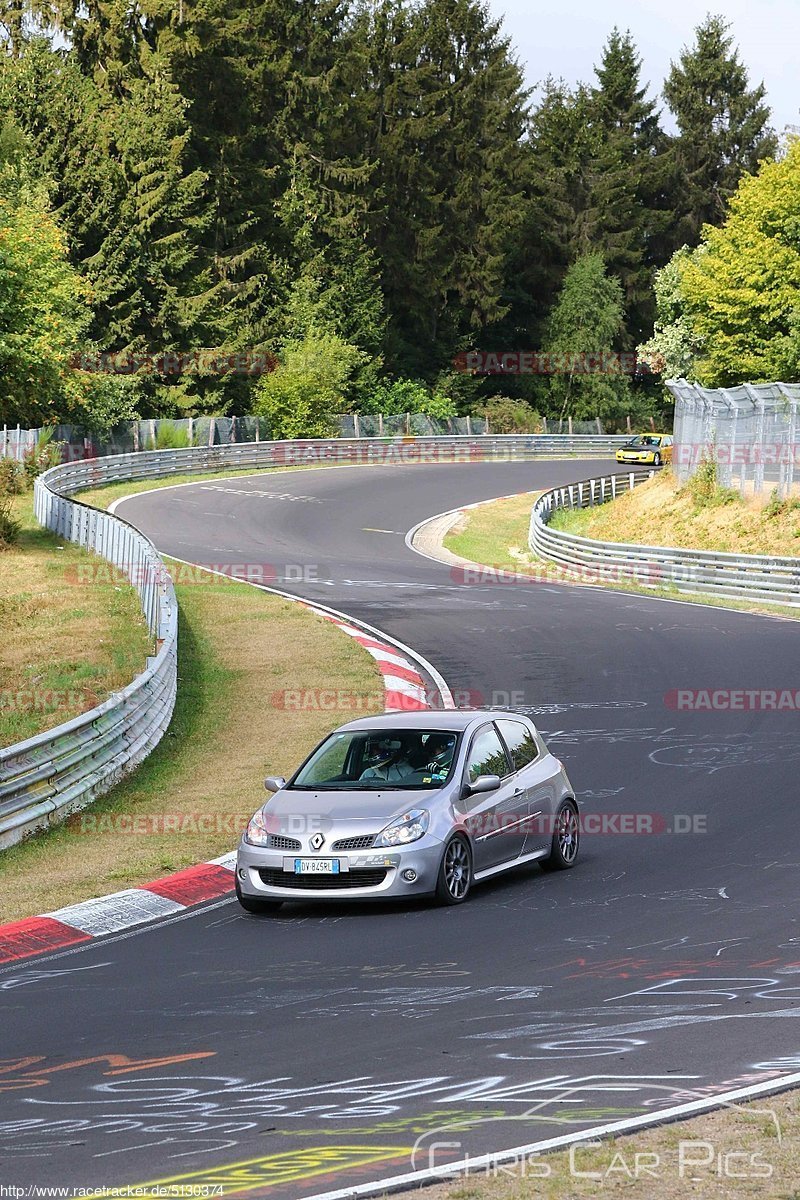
[652, 448]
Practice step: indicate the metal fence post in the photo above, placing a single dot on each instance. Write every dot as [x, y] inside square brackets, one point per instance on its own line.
[758, 470]
[726, 475]
[792, 448]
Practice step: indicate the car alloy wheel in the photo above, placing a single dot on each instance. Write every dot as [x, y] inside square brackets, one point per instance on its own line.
[455, 873]
[566, 839]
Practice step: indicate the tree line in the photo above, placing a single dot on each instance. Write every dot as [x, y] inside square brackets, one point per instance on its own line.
[363, 189]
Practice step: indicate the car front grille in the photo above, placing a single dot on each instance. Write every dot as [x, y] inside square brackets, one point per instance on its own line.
[277, 841]
[354, 843]
[323, 883]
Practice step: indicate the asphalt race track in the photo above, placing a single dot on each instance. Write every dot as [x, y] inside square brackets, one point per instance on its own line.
[322, 1046]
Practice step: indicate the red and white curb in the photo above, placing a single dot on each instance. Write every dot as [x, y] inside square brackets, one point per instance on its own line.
[403, 684]
[121, 910]
[404, 689]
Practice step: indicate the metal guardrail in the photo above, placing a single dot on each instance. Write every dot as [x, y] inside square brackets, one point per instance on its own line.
[133, 436]
[64, 769]
[154, 464]
[742, 576]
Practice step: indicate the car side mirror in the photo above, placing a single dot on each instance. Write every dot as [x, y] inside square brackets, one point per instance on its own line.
[484, 783]
[274, 783]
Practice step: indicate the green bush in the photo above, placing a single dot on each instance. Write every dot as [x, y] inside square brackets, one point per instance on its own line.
[509, 416]
[440, 406]
[12, 477]
[310, 385]
[704, 487]
[109, 401]
[776, 507]
[41, 457]
[171, 437]
[395, 397]
[9, 526]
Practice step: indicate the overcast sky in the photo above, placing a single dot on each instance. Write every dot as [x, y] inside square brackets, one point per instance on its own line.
[564, 38]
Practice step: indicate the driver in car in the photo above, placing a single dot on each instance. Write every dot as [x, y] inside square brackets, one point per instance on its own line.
[438, 750]
[432, 758]
[392, 766]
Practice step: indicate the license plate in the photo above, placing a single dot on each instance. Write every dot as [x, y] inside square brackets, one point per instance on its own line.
[316, 866]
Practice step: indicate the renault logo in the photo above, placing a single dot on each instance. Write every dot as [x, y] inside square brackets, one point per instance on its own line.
[317, 841]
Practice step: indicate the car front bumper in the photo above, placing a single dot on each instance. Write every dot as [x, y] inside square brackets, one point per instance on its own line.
[371, 874]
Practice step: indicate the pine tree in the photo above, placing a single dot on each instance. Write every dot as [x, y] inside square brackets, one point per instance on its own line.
[270, 89]
[230, 60]
[558, 153]
[723, 128]
[328, 184]
[447, 111]
[622, 217]
[106, 37]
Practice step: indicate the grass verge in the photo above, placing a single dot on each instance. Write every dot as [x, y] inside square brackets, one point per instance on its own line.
[741, 1151]
[63, 647]
[240, 651]
[495, 535]
[662, 513]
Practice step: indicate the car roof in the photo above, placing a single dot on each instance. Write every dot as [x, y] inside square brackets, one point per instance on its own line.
[451, 720]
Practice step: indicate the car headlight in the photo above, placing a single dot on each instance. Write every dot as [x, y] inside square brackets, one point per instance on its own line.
[257, 833]
[408, 828]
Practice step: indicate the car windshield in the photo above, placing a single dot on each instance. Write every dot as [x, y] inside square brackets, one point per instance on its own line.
[371, 759]
[645, 439]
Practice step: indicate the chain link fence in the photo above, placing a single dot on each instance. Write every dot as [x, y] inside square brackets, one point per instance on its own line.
[196, 432]
[750, 432]
[188, 433]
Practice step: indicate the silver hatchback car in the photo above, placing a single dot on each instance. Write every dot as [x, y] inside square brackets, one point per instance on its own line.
[409, 804]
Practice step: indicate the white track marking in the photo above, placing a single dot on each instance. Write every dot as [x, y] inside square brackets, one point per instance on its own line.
[452, 1171]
